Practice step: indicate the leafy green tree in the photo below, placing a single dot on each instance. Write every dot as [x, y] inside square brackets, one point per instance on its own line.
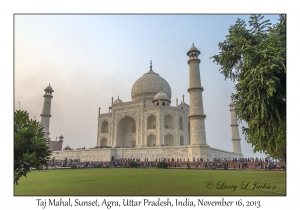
[30, 145]
[255, 60]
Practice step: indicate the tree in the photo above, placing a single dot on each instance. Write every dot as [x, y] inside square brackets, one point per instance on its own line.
[255, 60]
[30, 145]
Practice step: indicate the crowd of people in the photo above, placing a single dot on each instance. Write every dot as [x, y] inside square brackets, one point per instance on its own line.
[217, 163]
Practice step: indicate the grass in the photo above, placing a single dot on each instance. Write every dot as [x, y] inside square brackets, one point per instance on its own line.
[171, 182]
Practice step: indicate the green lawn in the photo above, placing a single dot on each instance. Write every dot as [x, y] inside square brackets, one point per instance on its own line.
[172, 182]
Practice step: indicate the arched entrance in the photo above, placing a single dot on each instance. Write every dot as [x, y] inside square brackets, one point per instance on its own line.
[151, 140]
[180, 123]
[104, 127]
[126, 132]
[151, 122]
[168, 122]
[133, 144]
[169, 140]
[103, 142]
[181, 140]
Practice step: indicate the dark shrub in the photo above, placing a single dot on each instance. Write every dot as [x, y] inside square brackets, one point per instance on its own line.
[162, 165]
[73, 166]
[133, 165]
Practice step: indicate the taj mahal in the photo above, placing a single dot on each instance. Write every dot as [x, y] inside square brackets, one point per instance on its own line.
[148, 127]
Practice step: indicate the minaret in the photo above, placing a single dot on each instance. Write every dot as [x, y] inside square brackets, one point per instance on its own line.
[196, 117]
[61, 140]
[235, 131]
[45, 116]
[99, 128]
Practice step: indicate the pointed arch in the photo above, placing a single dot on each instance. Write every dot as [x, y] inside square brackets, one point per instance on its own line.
[151, 140]
[169, 140]
[168, 122]
[103, 142]
[151, 122]
[181, 141]
[180, 123]
[126, 132]
[133, 144]
[104, 127]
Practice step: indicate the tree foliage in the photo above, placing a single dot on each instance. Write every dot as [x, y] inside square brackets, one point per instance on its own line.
[162, 165]
[255, 60]
[30, 145]
[133, 164]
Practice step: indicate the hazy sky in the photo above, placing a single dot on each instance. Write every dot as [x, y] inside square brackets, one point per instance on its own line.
[88, 59]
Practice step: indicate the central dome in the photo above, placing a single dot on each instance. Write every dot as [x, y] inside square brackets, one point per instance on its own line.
[148, 86]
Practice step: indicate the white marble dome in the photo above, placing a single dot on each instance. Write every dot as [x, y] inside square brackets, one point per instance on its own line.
[161, 96]
[67, 147]
[148, 86]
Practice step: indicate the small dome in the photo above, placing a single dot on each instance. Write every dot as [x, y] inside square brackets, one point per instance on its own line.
[118, 101]
[193, 48]
[49, 88]
[161, 96]
[67, 147]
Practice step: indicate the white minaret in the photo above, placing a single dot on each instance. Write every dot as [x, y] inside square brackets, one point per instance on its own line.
[236, 140]
[99, 128]
[45, 116]
[197, 116]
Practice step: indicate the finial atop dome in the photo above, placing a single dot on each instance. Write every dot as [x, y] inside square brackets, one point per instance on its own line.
[193, 47]
[150, 65]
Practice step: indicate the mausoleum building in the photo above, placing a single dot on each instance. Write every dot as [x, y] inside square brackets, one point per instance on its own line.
[148, 127]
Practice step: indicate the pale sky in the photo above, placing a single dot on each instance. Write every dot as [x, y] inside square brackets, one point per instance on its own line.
[88, 59]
